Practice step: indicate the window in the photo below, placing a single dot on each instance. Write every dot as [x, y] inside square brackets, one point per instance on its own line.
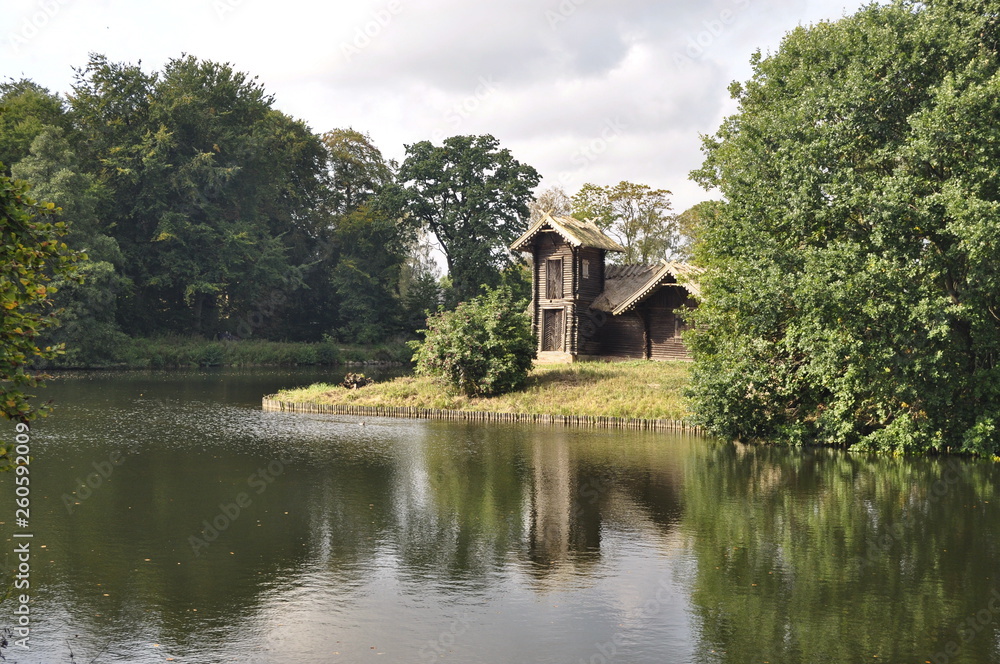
[586, 269]
[554, 279]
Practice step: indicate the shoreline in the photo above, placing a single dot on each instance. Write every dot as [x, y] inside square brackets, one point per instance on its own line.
[633, 395]
[485, 416]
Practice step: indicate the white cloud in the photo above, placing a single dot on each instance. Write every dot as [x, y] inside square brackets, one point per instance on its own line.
[544, 76]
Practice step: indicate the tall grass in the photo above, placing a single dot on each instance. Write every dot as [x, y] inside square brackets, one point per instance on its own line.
[649, 390]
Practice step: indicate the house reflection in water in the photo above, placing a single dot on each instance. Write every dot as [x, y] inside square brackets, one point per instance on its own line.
[578, 493]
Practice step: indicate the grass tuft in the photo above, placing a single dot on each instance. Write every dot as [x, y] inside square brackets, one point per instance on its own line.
[648, 390]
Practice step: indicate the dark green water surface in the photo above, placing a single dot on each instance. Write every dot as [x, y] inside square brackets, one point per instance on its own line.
[226, 534]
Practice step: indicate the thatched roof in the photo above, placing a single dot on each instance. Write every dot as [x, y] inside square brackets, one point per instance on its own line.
[626, 286]
[575, 232]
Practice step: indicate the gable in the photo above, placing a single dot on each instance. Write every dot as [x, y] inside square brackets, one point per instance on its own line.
[626, 286]
[574, 232]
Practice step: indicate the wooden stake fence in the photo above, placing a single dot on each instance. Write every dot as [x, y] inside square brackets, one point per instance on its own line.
[594, 421]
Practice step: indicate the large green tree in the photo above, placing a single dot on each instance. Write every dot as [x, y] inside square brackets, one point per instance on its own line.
[689, 223]
[212, 187]
[473, 196]
[89, 329]
[358, 169]
[370, 242]
[26, 110]
[853, 295]
[636, 215]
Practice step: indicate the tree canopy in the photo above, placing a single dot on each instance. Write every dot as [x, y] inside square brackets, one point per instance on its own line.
[853, 296]
[368, 244]
[206, 211]
[89, 327]
[553, 200]
[473, 196]
[636, 215]
[689, 223]
[26, 109]
[205, 177]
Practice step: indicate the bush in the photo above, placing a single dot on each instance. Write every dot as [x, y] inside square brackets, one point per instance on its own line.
[852, 293]
[326, 351]
[482, 348]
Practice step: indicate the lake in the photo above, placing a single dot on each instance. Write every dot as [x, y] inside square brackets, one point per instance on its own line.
[213, 532]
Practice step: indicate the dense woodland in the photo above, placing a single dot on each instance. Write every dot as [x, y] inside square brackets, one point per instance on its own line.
[852, 295]
[850, 292]
[206, 212]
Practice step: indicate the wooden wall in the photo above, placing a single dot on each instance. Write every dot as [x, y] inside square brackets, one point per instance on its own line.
[589, 323]
[549, 246]
[650, 331]
[623, 336]
[665, 326]
[592, 286]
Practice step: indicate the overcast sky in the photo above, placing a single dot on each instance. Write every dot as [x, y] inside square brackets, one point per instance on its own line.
[583, 90]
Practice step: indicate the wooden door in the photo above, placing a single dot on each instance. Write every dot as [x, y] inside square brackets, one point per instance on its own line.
[552, 329]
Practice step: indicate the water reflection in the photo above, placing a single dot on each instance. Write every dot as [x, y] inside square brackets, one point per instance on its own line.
[228, 534]
[552, 506]
[232, 535]
[823, 556]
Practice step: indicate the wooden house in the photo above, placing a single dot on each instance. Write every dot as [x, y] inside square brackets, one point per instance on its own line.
[583, 308]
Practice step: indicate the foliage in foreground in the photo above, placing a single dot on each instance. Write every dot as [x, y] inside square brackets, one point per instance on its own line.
[32, 255]
[853, 296]
[483, 347]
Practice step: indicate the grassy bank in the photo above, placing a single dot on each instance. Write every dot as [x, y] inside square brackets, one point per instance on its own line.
[646, 390]
[179, 352]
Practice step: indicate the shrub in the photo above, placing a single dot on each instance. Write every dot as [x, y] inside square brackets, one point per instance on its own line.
[210, 355]
[326, 351]
[852, 293]
[482, 348]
